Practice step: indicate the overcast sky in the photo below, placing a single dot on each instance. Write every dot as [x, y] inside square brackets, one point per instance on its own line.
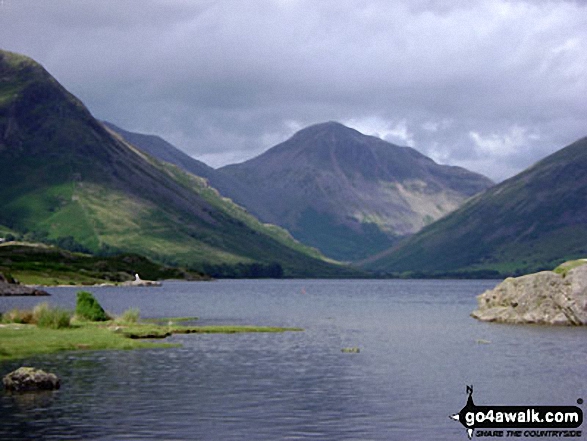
[490, 85]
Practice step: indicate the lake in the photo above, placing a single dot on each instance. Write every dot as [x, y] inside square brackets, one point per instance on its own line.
[418, 350]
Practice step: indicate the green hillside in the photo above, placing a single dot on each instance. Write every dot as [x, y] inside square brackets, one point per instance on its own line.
[31, 263]
[65, 175]
[535, 220]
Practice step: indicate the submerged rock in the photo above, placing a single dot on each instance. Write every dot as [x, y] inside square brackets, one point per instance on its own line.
[30, 379]
[542, 298]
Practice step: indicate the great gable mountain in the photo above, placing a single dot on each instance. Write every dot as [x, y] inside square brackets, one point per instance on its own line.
[533, 221]
[348, 194]
[65, 175]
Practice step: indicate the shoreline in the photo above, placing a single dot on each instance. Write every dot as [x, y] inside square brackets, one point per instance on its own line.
[20, 341]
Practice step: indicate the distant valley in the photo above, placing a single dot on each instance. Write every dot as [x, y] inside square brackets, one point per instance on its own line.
[345, 193]
[328, 194]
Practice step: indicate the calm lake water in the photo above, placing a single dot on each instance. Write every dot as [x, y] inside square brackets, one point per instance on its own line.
[418, 350]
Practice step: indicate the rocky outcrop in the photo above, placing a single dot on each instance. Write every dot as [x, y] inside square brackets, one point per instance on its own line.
[10, 288]
[542, 298]
[29, 379]
[140, 282]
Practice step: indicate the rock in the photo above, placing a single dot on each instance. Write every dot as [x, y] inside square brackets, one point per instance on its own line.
[139, 282]
[9, 288]
[542, 298]
[30, 379]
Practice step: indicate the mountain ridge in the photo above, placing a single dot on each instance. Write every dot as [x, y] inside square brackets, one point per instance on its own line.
[532, 221]
[65, 174]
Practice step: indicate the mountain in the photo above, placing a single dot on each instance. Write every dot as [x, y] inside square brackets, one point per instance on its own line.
[348, 194]
[164, 151]
[533, 221]
[64, 175]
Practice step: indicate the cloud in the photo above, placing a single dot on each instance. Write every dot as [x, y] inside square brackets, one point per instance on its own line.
[478, 83]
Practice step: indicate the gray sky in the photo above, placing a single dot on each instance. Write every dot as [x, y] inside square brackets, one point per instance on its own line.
[489, 85]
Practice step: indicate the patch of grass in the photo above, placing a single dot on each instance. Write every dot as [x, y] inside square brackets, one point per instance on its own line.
[141, 330]
[564, 268]
[230, 329]
[21, 341]
[56, 330]
[129, 316]
[17, 316]
[54, 318]
[42, 315]
[164, 320]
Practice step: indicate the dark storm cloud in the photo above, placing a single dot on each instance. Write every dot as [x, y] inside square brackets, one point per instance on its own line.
[490, 85]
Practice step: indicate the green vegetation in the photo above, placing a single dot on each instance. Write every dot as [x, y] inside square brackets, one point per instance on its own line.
[39, 264]
[564, 268]
[169, 320]
[46, 330]
[129, 316]
[66, 180]
[53, 318]
[21, 341]
[339, 241]
[145, 330]
[88, 308]
[42, 315]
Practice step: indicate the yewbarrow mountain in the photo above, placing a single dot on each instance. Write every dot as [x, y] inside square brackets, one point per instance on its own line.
[533, 221]
[161, 149]
[65, 175]
[348, 194]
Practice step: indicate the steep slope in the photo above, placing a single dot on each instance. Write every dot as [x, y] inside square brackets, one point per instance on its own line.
[348, 194]
[164, 151]
[532, 221]
[64, 174]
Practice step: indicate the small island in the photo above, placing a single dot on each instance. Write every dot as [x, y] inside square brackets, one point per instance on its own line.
[557, 297]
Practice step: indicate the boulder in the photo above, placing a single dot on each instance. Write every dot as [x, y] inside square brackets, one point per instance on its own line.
[30, 379]
[542, 298]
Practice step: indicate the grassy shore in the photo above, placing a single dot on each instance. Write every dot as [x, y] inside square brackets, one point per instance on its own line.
[25, 340]
[22, 341]
[45, 329]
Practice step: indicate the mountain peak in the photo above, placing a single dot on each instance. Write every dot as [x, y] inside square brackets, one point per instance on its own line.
[347, 193]
[329, 128]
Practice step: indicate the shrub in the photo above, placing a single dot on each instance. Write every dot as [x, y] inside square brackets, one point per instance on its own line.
[129, 316]
[39, 310]
[54, 318]
[88, 308]
[42, 315]
[18, 316]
